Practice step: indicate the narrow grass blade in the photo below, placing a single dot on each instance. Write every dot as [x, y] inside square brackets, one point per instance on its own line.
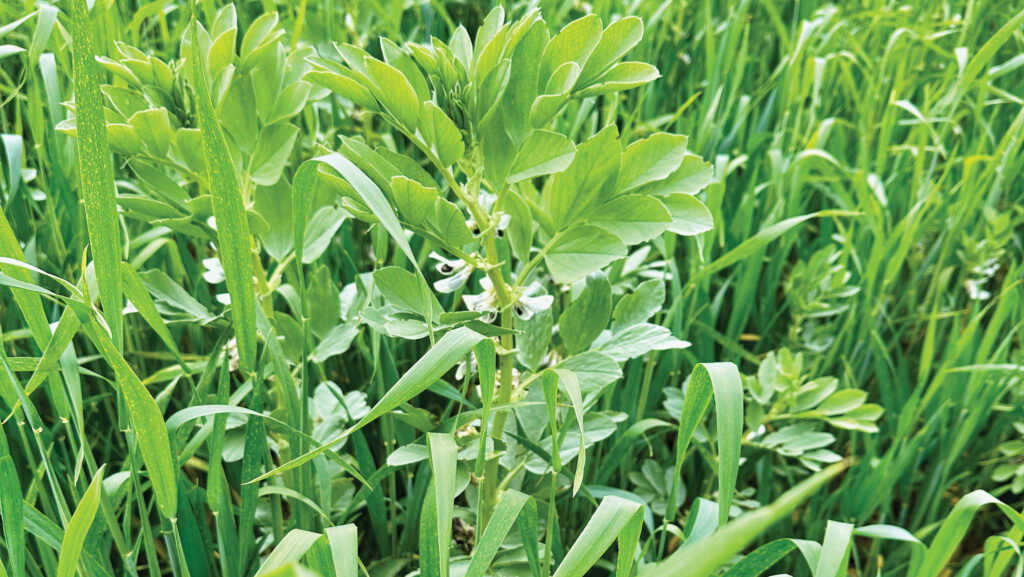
[893, 533]
[991, 47]
[529, 533]
[835, 550]
[41, 35]
[954, 528]
[135, 290]
[217, 490]
[6, 28]
[291, 569]
[97, 171]
[42, 527]
[615, 519]
[620, 452]
[295, 496]
[695, 406]
[235, 250]
[67, 328]
[504, 516]
[723, 381]
[74, 537]
[29, 302]
[291, 548]
[11, 513]
[484, 352]
[363, 186]
[252, 463]
[549, 382]
[344, 550]
[12, 145]
[443, 451]
[215, 484]
[199, 411]
[430, 556]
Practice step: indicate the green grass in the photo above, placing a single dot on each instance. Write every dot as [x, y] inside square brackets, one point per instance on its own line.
[849, 401]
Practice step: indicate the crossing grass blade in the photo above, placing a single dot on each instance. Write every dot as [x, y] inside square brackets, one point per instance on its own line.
[147, 422]
[97, 171]
[235, 242]
[31, 306]
[988, 50]
[66, 330]
[449, 350]
[35, 425]
[758, 241]
[731, 539]
[363, 186]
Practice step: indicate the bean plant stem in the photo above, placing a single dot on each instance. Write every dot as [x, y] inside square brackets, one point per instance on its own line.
[506, 360]
[506, 366]
[645, 386]
[552, 490]
[505, 386]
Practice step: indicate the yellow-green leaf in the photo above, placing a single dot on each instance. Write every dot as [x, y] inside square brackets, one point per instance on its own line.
[97, 172]
[229, 210]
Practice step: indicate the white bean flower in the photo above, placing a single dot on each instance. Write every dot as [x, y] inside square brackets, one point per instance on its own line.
[525, 305]
[503, 219]
[462, 367]
[214, 273]
[455, 271]
[485, 302]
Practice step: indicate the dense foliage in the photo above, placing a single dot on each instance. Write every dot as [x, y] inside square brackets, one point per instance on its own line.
[387, 287]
